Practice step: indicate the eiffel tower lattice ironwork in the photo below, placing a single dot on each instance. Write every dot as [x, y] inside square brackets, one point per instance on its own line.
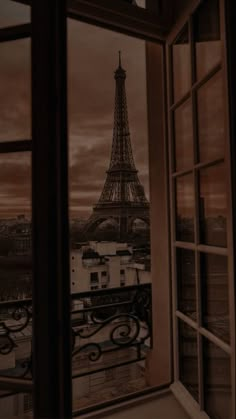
[123, 198]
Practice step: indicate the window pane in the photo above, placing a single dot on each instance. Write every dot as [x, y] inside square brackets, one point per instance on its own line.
[186, 282]
[183, 136]
[215, 305]
[185, 208]
[188, 358]
[211, 133]
[217, 377]
[15, 90]
[16, 263]
[207, 37]
[13, 13]
[181, 65]
[15, 225]
[213, 206]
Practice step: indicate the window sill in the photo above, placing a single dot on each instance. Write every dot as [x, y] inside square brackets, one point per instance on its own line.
[161, 403]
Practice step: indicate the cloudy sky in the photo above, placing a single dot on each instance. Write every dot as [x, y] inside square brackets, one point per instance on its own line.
[92, 60]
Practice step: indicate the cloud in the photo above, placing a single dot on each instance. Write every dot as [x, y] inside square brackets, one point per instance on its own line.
[15, 94]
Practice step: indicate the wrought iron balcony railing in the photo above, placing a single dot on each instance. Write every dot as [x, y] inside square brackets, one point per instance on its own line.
[110, 328]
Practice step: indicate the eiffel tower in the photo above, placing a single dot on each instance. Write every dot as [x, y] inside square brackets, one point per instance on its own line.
[123, 198]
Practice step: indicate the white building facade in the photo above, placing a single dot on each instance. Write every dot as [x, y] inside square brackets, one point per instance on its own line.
[101, 265]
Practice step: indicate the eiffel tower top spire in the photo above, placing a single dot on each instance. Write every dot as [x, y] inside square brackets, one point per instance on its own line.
[121, 154]
[120, 73]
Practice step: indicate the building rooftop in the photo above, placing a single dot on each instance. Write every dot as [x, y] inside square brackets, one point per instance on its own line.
[90, 254]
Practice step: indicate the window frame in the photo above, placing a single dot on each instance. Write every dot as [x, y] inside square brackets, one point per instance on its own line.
[179, 390]
[49, 185]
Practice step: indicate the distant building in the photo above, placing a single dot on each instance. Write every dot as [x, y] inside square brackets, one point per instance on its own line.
[100, 265]
[15, 235]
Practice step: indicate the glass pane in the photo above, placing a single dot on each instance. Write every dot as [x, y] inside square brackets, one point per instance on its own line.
[207, 37]
[188, 358]
[215, 304]
[185, 208]
[15, 90]
[186, 282]
[183, 136]
[181, 65]
[213, 206]
[13, 13]
[211, 132]
[15, 225]
[217, 381]
[16, 263]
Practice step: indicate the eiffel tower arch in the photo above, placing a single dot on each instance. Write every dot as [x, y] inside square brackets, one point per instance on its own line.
[123, 198]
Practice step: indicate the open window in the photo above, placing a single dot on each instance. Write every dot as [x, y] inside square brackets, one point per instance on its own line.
[192, 204]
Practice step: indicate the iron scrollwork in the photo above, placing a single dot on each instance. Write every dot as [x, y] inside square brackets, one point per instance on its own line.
[127, 327]
[21, 316]
[115, 320]
[15, 317]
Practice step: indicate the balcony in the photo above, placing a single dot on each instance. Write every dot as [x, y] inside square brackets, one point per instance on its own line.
[111, 336]
[111, 339]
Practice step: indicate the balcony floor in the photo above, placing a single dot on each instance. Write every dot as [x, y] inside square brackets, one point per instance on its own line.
[162, 406]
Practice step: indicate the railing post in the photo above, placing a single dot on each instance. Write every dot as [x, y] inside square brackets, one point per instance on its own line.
[51, 293]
